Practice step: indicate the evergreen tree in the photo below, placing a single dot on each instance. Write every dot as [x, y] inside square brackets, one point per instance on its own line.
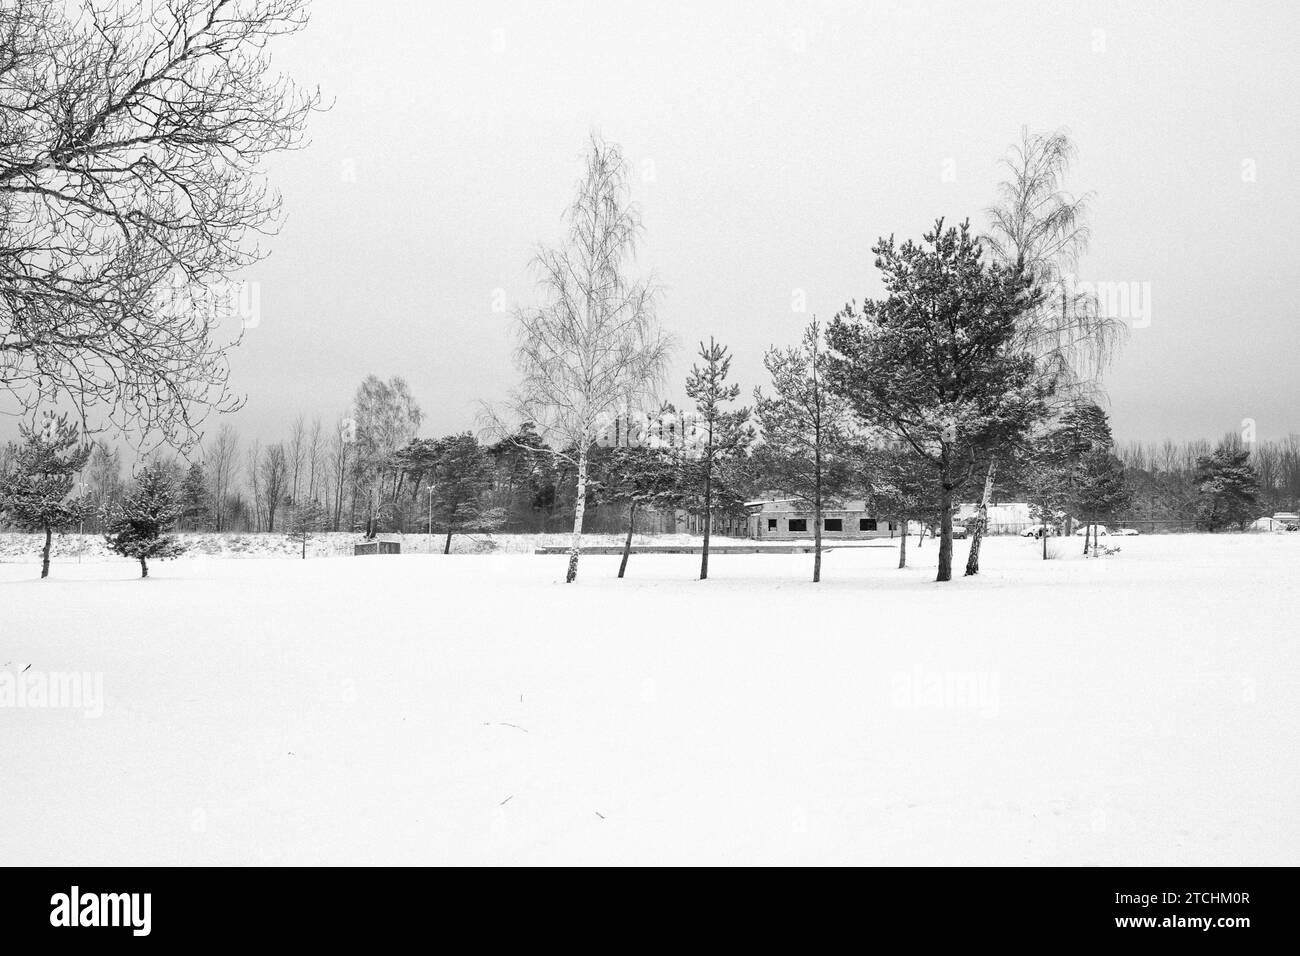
[307, 518]
[1057, 467]
[1227, 486]
[1048, 487]
[196, 499]
[718, 438]
[901, 488]
[519, 465]
[934, 364]
[138, 526]
[462, 478]
[35, 491]
[642, 476]
[1103, 491]
[805, 428]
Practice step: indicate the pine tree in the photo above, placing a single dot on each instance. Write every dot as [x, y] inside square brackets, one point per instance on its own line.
[1228, 487]
[138, 526]
[642, 476]
[1058, 465]
[462, 478]
[934, 364]
[307, 518]
[35, 491]
[195, 497]
[1103, 492]
[718, 437]
[805, 429]
[1047, 483]
[901, 487]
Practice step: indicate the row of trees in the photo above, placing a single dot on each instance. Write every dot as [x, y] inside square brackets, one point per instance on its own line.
[973, 369]
[132, 187]
[36, 493]
[958, 365]
[1168, 478]
[979, 366]
[799, 440]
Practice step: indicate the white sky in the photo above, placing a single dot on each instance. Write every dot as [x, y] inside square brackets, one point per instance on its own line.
[784, 139]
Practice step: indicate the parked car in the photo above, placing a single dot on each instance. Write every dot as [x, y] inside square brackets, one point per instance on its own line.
[1099, 529]
[959, 531]
[1037, 531]
[1126, 532]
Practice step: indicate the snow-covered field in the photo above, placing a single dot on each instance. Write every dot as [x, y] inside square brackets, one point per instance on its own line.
[1137, 709]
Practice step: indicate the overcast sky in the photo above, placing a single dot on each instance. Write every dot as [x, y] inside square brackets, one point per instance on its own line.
[772, 144]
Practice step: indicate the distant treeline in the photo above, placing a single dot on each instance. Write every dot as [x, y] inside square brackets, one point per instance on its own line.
[1164, 480]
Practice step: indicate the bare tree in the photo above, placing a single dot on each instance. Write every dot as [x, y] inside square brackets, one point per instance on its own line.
[294, 455]
[386, 417]
[314, 452]
[1037, 223]
[253, 466]
[275, 480]
[132, 144]
[221, 461]
[340, 461]
[595, 349]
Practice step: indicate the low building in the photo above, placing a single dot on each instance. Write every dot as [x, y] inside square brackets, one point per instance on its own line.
[785, 519]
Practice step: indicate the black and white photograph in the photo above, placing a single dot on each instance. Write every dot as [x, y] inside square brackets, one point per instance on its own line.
[767, 434]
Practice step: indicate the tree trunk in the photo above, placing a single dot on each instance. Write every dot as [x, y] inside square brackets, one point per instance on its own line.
[144, 568]
[579, 508]
[45, 552]
[817, 545]
[1043, 528]
[627, 545]
[945, 534]
[304, 547]
[1087, 532]
[973, 558]
[446, 548]
[817, 532]
[902, 546]
[708, 514]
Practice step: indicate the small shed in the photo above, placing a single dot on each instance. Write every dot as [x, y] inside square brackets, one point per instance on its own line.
[377, 547]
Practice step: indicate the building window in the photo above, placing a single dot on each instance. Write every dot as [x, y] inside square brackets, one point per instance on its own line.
[771, 524]
[891, 526]
[867, 524]
[833, 524]
[798, 524]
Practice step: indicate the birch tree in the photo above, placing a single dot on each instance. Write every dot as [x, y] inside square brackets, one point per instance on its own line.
[595, 348]
[1039, 225]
